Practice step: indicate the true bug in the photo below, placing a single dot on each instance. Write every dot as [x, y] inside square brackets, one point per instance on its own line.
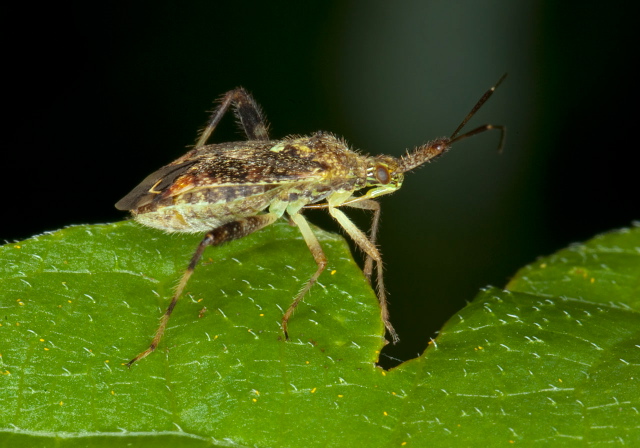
[230, 190]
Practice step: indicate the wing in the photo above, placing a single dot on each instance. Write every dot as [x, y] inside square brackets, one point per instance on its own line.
[145, 191]
[227, 164]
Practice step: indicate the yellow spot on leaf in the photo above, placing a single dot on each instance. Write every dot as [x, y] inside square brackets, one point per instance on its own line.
[17, 247]
[340, 396]
[41, 340]
[384, 373]
[385, 413]
[333, 272]
[113, 393]
[61, 403]
[261, 314]
[106, 360]
[46, 349]
[313, 391]
[543, 265]
[254, 400]
[593, 280]
[69, 301]
[403, 443]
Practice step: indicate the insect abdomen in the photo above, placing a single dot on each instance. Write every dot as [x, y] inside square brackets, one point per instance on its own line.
[206, 208]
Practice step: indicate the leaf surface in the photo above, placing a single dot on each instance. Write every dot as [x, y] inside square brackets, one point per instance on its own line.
[553, 359]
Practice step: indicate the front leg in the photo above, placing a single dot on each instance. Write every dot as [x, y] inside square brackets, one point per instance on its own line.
[372, 251]
[361, 202]
[369, 204]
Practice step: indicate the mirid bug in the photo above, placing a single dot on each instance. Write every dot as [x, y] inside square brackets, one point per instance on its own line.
[230, 190]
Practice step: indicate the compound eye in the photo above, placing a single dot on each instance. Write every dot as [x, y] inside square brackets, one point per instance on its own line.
[382, 174]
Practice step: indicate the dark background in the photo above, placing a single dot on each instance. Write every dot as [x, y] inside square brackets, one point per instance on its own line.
[95, 97]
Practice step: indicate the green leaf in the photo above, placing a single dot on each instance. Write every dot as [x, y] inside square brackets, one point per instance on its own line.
[554, 360]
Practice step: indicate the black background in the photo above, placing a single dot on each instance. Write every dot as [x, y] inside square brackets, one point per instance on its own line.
[97, 96]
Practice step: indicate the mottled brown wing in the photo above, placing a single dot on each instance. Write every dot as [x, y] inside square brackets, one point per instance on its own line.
[164, 177]
[228, 164]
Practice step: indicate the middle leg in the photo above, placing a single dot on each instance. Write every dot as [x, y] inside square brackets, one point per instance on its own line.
[318, 255]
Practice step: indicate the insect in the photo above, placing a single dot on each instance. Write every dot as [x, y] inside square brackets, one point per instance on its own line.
[230, 190]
